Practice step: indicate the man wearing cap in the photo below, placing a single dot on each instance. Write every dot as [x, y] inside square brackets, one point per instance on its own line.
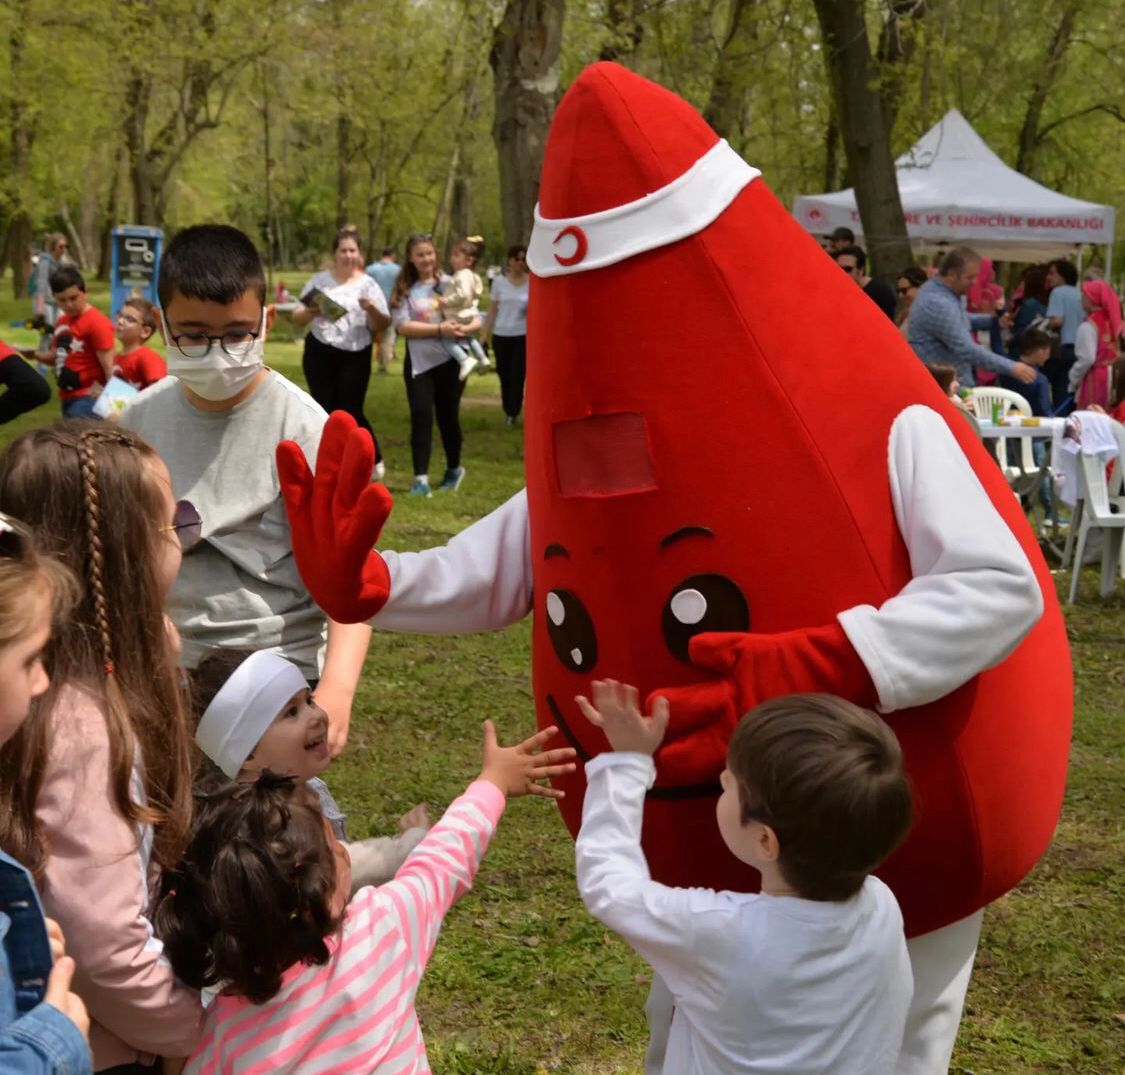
[780, 551]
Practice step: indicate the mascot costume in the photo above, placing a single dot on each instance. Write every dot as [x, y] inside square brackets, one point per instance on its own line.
[741, 483]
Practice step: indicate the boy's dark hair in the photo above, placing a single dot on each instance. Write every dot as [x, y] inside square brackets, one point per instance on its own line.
[64, 276]
[856, 252]
[516, 250]
[1033, 339]
[827, 777]
[843, 235]
[944, 375]
[389, 252]
[146, 310]
[212, 262]
[252, 896]
[1066, 270]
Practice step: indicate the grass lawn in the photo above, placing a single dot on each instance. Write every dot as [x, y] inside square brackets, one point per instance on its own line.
[523, 980]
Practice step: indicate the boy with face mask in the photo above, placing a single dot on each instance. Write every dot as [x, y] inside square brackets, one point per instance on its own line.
[216, 421]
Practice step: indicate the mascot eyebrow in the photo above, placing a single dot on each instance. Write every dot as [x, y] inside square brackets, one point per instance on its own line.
[555, 550]
[685, 532]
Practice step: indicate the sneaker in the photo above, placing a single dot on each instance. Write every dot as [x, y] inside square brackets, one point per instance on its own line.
[452, 480]
[484, 363]
[468, 364]
[509, 420]
[421, 487]
[380, 471]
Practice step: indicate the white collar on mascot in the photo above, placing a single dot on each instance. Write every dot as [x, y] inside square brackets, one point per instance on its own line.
[685, 206]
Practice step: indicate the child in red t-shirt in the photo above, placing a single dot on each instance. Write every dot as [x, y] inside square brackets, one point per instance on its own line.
[138, 363]
[83, 354]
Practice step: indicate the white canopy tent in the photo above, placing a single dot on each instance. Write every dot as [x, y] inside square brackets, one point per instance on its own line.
[954, 189]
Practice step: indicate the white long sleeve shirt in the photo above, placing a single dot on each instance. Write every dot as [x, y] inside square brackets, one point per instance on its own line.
[761, 984]
[973, 597]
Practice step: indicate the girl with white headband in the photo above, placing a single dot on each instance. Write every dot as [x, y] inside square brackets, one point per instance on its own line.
[258, 713]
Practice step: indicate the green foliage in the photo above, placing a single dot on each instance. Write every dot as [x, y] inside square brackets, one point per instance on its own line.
[387, 86]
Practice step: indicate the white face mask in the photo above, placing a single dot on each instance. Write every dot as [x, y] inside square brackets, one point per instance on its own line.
[217, 376]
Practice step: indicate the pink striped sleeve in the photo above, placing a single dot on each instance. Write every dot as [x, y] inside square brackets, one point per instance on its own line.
[441, 868]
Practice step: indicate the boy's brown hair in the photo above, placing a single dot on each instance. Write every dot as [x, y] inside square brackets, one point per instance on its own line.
[827, 777]
[1032, 339]
[147, 312]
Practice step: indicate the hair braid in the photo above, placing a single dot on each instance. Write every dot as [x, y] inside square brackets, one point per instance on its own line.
[93, 537]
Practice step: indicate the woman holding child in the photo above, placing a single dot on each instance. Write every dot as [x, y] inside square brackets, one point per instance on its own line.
[95, 788]
[433, 375]
[337, 360]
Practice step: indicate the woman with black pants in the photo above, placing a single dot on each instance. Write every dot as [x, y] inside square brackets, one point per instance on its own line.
[337, 361]
[433, 382]
[506, 328]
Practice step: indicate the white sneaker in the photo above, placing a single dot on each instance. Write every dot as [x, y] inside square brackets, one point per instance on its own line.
[468, 364]
[380, 471]
[483, 362]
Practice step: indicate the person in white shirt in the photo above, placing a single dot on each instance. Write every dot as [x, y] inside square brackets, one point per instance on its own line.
[814, 798]
[506, 329]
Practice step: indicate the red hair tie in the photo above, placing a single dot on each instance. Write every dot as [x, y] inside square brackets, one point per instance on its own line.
[108, 666]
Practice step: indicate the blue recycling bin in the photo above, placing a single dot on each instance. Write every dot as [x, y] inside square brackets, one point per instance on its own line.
[134, 261]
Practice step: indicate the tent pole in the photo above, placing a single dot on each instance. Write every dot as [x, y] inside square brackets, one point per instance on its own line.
[1109, 263]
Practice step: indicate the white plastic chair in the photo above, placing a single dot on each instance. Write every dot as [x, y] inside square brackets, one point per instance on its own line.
[981, 400]
[1115, 493]
[1097, 514]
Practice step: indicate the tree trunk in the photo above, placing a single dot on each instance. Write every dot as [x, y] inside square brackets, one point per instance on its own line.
[110, 221]
[832, 151]
[1031, 137]
[20, 138]
[866, 134]
[525, 66]
[730, 82]
[896, 47]
[343, 150]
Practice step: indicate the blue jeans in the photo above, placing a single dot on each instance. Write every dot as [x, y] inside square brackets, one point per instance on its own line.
[35, 1038]
[81, 407]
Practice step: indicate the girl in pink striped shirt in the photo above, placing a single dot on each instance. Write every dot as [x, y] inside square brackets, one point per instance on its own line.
[309, 982]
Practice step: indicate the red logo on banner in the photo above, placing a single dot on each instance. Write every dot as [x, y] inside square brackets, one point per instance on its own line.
[579, 236]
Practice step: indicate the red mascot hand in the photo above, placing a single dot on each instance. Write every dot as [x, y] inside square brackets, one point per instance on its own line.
[335, 517]
[753, 668]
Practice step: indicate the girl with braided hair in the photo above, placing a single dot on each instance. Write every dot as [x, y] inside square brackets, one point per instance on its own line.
[95, 788]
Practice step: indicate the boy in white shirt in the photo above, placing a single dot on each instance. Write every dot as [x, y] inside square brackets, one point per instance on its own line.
[810, 976]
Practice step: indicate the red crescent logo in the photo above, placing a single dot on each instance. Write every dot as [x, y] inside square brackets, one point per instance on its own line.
[580, 245]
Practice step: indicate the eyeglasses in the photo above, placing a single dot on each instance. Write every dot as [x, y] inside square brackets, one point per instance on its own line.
[187, 525]
[198, 345]
[14, 537]
[847, 268]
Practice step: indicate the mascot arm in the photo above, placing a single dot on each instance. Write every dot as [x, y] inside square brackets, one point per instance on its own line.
[667, 926]
[479, 581]
[974, 595]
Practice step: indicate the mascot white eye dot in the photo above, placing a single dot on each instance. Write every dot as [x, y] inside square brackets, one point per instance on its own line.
[576, 656]
[555, 609]
[689, 606]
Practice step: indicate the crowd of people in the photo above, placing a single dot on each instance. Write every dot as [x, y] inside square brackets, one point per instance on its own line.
[1054, 341]
[353, 315]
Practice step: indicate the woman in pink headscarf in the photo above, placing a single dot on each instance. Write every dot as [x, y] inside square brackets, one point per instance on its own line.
[1095, 346]
[985, 297]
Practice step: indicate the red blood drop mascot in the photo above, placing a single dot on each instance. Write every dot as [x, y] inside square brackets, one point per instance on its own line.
[740, 483]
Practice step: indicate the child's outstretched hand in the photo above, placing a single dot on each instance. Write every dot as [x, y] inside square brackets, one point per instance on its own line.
[616, 712]
[514, 770]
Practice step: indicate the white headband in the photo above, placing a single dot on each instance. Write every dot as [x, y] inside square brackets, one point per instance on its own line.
[681, 208]
[246, 705]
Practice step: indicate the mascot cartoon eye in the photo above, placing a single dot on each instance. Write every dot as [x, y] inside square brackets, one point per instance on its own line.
[571, 631]
[702, 603]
